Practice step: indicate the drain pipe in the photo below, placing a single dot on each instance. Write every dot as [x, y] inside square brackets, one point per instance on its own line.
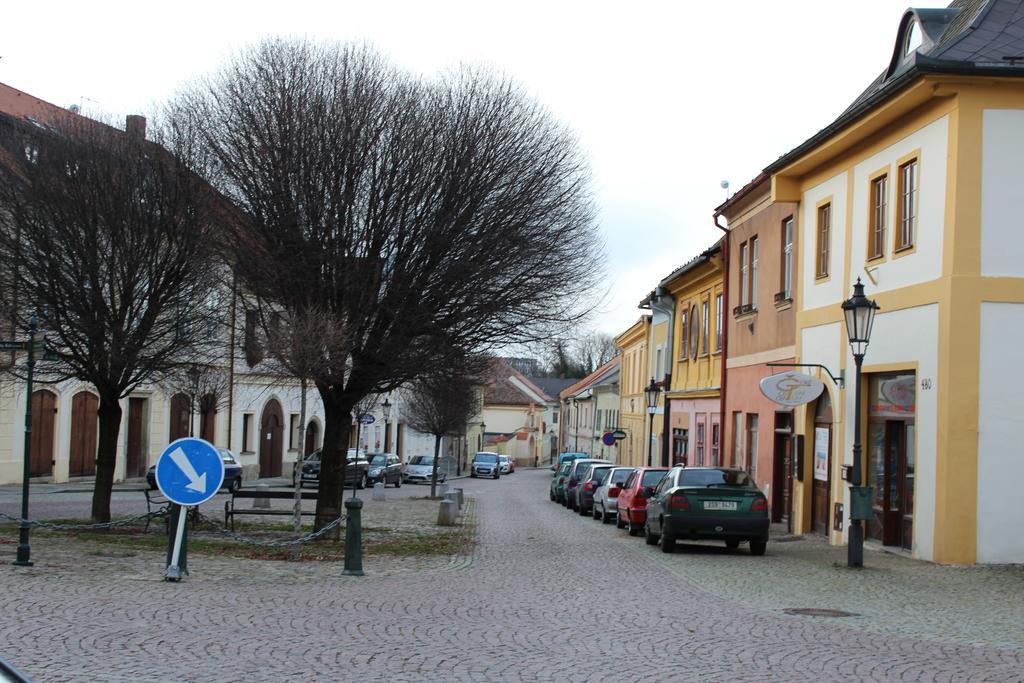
[723, 417]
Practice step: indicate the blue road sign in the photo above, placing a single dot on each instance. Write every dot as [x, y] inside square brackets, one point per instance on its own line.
[367, 419]
[189, 471]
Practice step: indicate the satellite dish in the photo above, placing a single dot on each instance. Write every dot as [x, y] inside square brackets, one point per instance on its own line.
[724, 184]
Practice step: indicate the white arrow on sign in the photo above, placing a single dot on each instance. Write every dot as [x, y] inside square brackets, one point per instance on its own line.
[196, 482]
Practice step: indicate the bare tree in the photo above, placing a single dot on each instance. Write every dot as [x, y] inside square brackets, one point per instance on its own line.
[580, 356]
[105, 237]
[425, 216]
[207, 386]
[439, 404]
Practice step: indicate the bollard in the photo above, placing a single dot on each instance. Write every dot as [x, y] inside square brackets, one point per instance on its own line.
[378, 491]
[462, 499]
[262, 502]
[448, 513]
[453, 497]
[353, 537]
[445, 488]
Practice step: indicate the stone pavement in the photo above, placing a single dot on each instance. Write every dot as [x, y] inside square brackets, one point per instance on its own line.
[545, 595]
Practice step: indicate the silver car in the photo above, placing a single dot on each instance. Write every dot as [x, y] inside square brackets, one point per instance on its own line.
[420, 468]
[607, 493]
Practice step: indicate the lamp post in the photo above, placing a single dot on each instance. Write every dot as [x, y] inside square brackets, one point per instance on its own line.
[860, 315]
[652, 401]
[193, 378]
[385, 409]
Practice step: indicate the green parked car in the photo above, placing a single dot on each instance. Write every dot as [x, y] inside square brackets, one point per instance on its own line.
[558, 480]
[707, 503]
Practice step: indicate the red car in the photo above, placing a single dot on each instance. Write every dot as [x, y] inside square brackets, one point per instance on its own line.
[631, 508]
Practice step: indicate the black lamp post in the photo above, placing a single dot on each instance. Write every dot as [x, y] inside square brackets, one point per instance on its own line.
[193, 378]
[385, 409]
[652, 403]
[860, 316]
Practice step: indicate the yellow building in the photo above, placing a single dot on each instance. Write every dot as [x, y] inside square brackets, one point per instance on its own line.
[916, 191]
[632, 346]
[694, 426]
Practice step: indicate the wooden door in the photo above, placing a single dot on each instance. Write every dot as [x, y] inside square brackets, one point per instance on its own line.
[782, 479]
[821, 488]
[134, 463]
[44, 406]
[312, 434]
[208, 418]
[84, 420]
[271, 442]
[180, 417]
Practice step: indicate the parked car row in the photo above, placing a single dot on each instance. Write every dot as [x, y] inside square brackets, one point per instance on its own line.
[664, 504]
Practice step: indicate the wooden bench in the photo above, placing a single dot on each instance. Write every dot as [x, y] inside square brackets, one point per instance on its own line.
[230, 510]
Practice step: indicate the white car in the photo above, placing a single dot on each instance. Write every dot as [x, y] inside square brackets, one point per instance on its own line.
[505, 464]
[420, 468]
[607, 494]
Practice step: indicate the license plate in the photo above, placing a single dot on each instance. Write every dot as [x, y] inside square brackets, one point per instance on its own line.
[719, 505]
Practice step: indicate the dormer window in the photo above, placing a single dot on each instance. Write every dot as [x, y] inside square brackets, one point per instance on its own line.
[913, 38]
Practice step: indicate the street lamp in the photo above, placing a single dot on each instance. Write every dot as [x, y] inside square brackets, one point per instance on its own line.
[860, 316]
[652, 402]
[385, 408]
[193, 377]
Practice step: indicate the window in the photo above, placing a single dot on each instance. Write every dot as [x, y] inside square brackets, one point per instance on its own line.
[879, 209]
[700, 442]
[737, 439]
[752, 444]
[905, 223]
[247, 433]
[753, 272]
[694, 331]
[824, 239]
[293, 431]
[251, 345]
[657, 368]
[718, 322]
[704, 326]
[684, 334]
[913, 39]
[679, 439]
[787, 259]
[744, 275]
[715, 441]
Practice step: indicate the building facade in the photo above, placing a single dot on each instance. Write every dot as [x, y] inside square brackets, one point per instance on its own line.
[632, 346]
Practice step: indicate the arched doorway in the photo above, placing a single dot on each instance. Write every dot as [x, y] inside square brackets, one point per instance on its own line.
[821, 484]
[208, 418]
[84, 420]
[312, 437]
[180, 406]
[271, 442]
[44, 405]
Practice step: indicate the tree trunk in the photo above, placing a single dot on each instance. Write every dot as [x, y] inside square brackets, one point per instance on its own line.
[110, 425]
[337, 423]
[433, 473]
[300, 456]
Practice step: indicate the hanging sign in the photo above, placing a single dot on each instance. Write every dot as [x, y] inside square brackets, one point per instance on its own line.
[791, 388]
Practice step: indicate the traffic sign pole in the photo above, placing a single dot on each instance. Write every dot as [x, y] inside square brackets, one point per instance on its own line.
[176, 566]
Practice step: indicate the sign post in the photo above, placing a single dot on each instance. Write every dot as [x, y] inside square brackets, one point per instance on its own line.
[189, 472]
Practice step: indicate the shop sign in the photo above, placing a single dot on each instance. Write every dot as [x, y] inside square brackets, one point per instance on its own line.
[821, 453]
[791, 388]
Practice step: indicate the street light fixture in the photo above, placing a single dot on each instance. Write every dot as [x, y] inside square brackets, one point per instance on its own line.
[860, 316]
[652, 402]
[385, 408]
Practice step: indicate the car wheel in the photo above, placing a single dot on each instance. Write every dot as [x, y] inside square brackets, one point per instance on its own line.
[649, 538]
[605, 517]
[362, 482]
[619, 522]
[472, 475]
[667, 543]
[583, 511]
[758, 547]
[596, 515]
[551, 495]
[398, 483]
[732, 544]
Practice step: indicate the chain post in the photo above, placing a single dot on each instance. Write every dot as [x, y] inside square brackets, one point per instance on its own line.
[353, 537]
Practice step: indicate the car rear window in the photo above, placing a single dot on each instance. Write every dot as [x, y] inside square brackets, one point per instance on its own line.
[599, 473]
[565, 468]
[652, 478]
[737, 478]
[619, 476]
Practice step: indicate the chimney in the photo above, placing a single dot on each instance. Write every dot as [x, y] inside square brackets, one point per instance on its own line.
[135, 126]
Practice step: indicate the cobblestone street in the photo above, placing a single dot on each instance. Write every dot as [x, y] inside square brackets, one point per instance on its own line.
[545, 595]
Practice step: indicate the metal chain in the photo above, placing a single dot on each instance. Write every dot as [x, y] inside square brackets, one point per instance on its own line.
[163, 512]
[312, 536]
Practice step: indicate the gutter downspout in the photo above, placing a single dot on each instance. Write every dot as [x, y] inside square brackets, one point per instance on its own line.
[657, 304]
[723, 417]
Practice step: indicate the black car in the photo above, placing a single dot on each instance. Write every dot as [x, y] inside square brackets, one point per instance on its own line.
[356, 471]
[232, 472]
[385, 467]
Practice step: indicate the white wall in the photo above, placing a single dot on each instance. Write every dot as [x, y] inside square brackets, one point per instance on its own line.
[827, 292]
[907, 336]
[925, 262]
[1000, 433]
[1002, 196]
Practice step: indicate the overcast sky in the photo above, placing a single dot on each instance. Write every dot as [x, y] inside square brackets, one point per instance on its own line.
[668, 98]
